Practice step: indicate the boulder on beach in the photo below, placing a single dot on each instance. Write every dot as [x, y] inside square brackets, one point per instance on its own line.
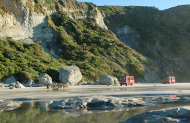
[30, 83]
[45, 79]
[16, 85]
[108, 80]
[2, 85]
[10, 80]
[70, 75]
[19, 85]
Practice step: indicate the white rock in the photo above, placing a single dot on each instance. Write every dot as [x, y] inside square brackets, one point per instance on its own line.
[19, 85]
[30, 83]
[70, 75]
[44, 79]
[10, 80]
[108, 80]
[9, 105]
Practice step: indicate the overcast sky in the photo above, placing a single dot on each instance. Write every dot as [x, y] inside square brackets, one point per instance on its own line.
[160, 4]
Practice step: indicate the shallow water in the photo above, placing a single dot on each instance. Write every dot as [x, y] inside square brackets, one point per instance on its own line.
[38, 112]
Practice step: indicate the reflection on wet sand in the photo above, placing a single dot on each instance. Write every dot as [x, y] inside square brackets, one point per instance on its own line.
[128, 89]
[39, 112]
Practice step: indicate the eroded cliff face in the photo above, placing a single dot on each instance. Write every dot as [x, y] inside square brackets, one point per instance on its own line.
[166, 64]
[100, 19]
[13, 6]
[128, 36]
[20, 23]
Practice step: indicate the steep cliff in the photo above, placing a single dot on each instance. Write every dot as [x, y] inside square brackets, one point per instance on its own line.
[79, 34]
[22, 20]
[20, 23]
[161, 36]
[71, 31]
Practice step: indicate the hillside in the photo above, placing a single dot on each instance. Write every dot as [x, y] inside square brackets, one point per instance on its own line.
[73, 33]
[161, 36]
[112, 40]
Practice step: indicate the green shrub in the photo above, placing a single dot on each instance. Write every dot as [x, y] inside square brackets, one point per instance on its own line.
[23, 75]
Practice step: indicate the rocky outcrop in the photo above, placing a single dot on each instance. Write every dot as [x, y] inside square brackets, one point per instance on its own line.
[20, 20]
[167, 99]
[19, 85]
[128, 36]
[45, 79]
[22, 23]
[10, 80]
[70, 75]
[100, 19]
[16, 85]
[97, 103]
[108, 80]
[9, 105]
[30, 83]
[170, 115]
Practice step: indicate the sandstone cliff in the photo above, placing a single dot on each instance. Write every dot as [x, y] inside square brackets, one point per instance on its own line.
[22, 22]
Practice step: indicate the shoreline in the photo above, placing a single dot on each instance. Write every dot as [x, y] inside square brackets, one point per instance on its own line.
[137, 90]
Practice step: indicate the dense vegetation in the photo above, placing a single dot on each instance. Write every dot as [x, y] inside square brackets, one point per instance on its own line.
[152, 25]
[59, 5]
[95, 50]
[164, 35]
[84, 44]
[26, 61]
[144, 20]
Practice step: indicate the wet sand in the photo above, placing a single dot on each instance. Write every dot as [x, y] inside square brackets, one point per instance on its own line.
[137, 90]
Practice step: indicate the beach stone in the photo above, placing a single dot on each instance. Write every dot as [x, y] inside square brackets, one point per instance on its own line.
[2, 85]
[96, 103]
[45, 79]
[11, 87]
[16, 85]
[9, 105]
[70, 75]
[74, 103]
[10, 80]
[30, 83]
[108, 80]
[19, 85]
[168, 115]
[99, 104]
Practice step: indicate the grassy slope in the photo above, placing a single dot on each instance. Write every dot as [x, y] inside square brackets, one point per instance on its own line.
[26, 61]
[163, 34]
[95, 50]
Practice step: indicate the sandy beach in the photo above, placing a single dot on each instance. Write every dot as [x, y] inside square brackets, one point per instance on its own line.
[137, 90]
